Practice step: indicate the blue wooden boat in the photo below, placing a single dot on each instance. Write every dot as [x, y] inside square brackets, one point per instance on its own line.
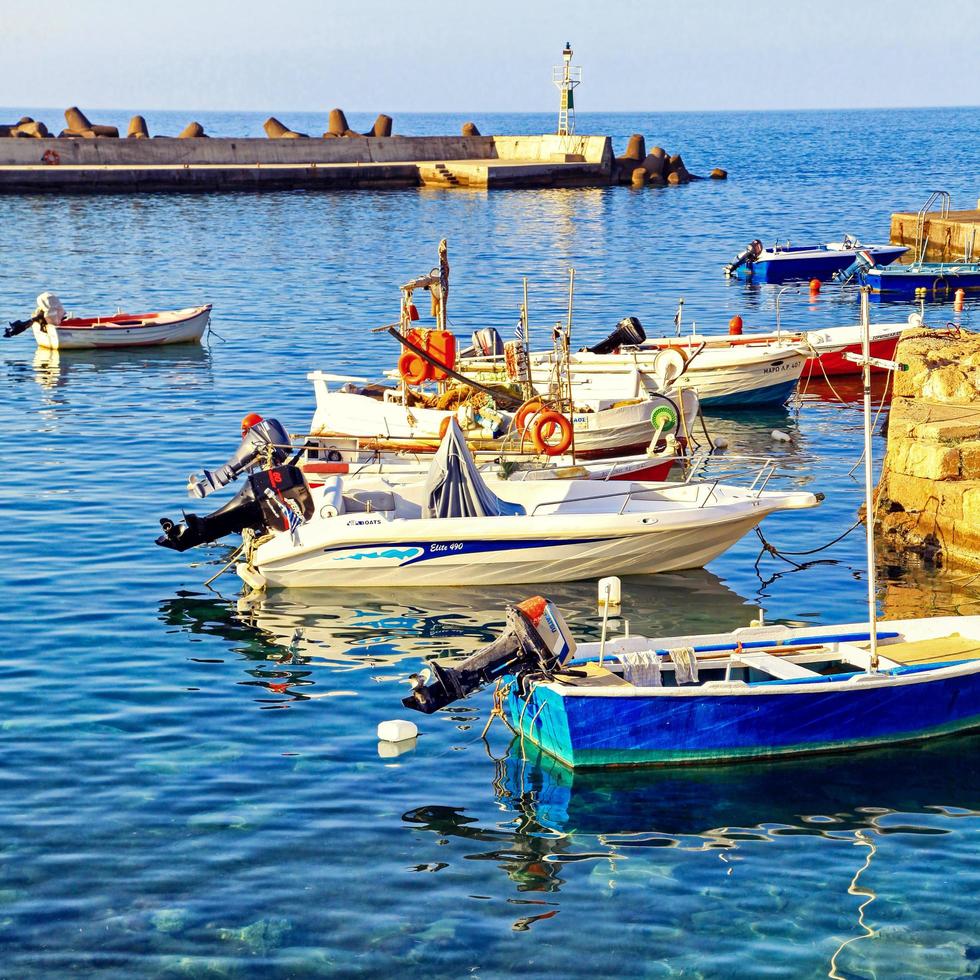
[783, 263]
[939, 280]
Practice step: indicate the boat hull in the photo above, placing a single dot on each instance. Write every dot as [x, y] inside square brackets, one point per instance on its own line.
[185, 330]
[939, 282]
[450, 555]
[691, 729]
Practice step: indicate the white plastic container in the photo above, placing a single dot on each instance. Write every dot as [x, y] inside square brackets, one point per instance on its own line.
[397, 731]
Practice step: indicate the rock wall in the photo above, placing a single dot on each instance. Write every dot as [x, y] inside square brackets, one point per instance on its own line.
[928, 500]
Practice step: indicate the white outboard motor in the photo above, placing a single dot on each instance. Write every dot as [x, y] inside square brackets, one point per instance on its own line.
[485, 342]
[264, 441]
[50, 307]
[863, 261]
[49, 310]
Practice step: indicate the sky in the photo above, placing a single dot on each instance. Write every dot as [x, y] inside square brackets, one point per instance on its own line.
[453, 56]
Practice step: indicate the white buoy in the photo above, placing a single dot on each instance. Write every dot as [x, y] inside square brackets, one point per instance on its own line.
[779, 436]
[721, 443]
[610, 593]
[397, 731]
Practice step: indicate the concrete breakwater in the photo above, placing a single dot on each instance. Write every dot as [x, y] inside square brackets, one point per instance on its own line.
[90, 158]
[928, 500]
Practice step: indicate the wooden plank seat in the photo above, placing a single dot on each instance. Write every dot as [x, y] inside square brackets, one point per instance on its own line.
[777, 667]
[935, 650]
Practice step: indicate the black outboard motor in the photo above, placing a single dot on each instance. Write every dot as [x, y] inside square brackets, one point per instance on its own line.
[750, 253]
[263, 504]
[19, 326]
[536, 643]
[264, 441]
[629, 332]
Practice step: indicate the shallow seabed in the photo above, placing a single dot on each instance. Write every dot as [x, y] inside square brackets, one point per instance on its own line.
[193, 788]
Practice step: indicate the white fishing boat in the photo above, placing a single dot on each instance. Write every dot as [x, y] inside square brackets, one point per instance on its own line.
[383, 417]
[725, 372]
[458, 528]
[54, 329]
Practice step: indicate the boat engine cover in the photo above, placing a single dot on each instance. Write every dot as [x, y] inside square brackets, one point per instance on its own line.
[629, 332]
[50, 306]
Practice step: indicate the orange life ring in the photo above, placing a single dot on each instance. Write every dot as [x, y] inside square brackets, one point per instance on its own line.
[413, 368]
[524, 413]
[543, 428]
[51, 157]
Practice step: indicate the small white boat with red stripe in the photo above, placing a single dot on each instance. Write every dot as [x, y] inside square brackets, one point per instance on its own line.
[54, 329]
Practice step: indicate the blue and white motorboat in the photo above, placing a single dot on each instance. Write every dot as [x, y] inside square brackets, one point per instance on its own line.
[783, 263]
[761, 692]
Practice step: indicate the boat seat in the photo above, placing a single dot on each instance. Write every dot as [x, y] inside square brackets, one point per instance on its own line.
[938, 649]
[367, 501]
[775, 666]
[595, 676]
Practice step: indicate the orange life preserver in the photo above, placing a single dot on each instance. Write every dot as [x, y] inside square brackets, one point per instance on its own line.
[531, 407]
[51, 157]
[543, 428]
[413, 369]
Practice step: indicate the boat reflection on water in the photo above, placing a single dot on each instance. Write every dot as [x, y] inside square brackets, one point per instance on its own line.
[290, 636]
[177, 366]
[564, 816]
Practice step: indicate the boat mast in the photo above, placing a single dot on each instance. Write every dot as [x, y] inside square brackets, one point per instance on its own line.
[568, 362]
[869, 522]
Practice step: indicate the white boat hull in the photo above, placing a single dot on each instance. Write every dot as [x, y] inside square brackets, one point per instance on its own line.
[363, 550]
[182, 327]
[734, 377]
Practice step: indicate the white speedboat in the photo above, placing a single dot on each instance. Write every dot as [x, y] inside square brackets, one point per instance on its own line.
[457, 528]
[55, 330]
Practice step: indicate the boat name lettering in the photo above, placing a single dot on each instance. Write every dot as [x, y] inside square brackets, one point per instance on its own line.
[376, 520]
[455, 546]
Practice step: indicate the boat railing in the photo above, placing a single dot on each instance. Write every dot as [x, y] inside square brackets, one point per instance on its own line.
[921, 239]
[760, 475]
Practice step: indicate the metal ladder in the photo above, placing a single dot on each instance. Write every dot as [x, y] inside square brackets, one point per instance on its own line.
[921, 240]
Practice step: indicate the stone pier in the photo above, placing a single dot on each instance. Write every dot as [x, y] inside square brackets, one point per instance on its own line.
[949, 238]
[928, 500]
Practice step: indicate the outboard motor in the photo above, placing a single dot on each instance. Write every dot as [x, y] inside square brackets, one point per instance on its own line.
[863, 261]
[265, 440]
[536, 643]
[629, 332]
[485, 343]
[749, 254]
[49, 310]
[265, 503]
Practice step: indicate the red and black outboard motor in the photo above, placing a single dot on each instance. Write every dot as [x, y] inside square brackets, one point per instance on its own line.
[749, 254]
[536, 644]
[263, 504]
[263, 441]
[629, 332]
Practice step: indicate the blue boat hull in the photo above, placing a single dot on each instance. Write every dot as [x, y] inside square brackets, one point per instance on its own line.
[590, 731]
[788, 268]
[938, 283]
[772, 395]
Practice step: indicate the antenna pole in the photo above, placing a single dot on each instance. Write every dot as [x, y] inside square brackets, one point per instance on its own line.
[869, 481]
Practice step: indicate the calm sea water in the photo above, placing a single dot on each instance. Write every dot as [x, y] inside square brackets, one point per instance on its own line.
[192, 788]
